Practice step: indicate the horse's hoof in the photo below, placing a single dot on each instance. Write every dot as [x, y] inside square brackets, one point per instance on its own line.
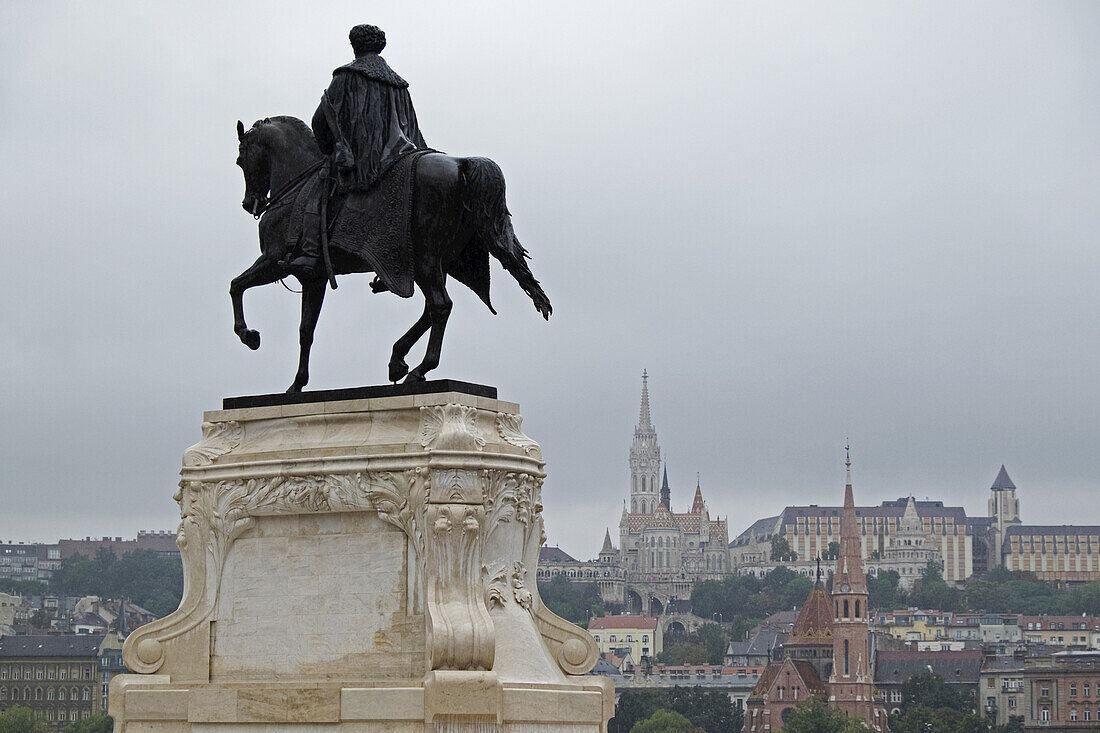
[413, 377]
[398, 369]
[293, 389]
[251, 339]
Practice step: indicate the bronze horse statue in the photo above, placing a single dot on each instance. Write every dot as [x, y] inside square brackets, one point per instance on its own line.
[458, 219]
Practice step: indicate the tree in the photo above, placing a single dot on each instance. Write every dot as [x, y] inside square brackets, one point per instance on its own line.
[662, 721]
[99, 723]
[930, 690]
[19, 719]
[635, 705]
[710, 710]
[832, 552]
[575, 602]
[714, 641]
[781, 550]
[883, 590]
[812, 715]
[40, 619]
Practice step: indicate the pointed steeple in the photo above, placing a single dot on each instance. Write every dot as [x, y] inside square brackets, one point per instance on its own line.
[644, 423]
[1002, 481]
[697, 506]
[666, 493]
[910, 519]
[607, 546]
[849, 562]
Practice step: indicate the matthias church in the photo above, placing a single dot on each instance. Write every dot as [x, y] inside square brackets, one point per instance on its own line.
[662, 553]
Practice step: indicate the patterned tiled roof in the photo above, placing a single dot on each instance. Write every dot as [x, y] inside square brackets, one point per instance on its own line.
[815, 620]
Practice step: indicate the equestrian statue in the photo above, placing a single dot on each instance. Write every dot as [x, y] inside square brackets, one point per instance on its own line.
[362, 192]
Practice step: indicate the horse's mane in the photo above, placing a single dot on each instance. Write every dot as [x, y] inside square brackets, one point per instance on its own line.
[301, 128]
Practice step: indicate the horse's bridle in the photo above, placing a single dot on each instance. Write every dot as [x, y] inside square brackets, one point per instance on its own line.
[291, 185]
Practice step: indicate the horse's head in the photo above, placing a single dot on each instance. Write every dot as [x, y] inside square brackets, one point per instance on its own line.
[252, 157]
[272, 148]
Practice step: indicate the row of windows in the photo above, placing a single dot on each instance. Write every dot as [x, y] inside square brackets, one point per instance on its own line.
[46, 671]
[629, 638]
[50, 693]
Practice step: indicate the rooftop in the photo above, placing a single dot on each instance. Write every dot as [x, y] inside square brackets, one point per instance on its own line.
[623, 622]
[67, 645]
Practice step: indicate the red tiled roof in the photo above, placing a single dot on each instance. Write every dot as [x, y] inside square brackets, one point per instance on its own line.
[623, 622]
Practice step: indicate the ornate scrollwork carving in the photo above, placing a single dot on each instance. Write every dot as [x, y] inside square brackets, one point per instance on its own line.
[519, 590]
[509, 428]
[461, 634]
[450, 427]
[218, 438]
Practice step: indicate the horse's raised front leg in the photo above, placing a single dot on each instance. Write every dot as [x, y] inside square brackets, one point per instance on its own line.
[313, 297]
[439, 310]
[398, 367]
[261, 272]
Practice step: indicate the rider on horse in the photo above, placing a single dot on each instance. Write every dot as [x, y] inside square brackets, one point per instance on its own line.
[365, 122]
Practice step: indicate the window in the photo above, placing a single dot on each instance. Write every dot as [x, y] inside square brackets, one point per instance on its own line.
[1044, 714]
[612, 638]
[51, 693]
[62, 673]
[1088, 714]
[645, 638]
[61, 694]
[38, 673]
[87, 694]
[1044, 691]
[1085, 689]
[1073, 689]
[3, 673]
[1073, 713]
[1012, 702]
[3, 693]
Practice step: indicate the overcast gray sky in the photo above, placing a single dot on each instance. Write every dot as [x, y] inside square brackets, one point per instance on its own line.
[807, 220]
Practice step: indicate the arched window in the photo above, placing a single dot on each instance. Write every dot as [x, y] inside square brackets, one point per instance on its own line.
[51, 693]
[643, 484]
[857, 609]
[845, 616]
[847, 667]
[87, 693]
[38, 693]
[3, 693]
[61, 694]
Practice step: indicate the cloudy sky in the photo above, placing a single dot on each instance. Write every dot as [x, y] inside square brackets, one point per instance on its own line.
[809, 221]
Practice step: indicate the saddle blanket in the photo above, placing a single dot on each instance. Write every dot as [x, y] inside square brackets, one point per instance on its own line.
[376, 225]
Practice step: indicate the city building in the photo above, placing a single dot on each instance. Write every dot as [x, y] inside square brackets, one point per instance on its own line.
[828, 651]
[1062, 691]
[1078, 632]
[58, 677]
[961, 670]
[38, 561]
[935, 532]
[639, 636]
[1001, 687]
[1064, 554]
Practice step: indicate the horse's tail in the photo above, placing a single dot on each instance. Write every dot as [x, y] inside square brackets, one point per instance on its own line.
[493, 224]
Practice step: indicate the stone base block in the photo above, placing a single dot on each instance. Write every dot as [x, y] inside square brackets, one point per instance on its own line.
[361, 565]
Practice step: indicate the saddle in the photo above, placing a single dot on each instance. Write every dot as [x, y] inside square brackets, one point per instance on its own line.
[367, 230]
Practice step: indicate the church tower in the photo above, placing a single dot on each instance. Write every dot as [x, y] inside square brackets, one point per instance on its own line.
[645, 459]
[1004, 510]
[850, 686]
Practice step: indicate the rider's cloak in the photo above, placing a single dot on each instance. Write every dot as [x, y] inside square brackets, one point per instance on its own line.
[372, 108]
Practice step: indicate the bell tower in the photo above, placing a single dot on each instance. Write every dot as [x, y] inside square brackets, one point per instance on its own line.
[645, 459]
[851, 685]
[1004, 510]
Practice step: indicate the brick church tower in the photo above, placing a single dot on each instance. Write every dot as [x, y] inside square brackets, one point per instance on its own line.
[851, 686]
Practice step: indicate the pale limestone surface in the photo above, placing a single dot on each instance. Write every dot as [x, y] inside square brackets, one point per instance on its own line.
[365, 565]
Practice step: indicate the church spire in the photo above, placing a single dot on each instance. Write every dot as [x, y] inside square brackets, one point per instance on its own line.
[666, 493]
[697, 506]
[607, 546]
[849, 562]
[644, 423]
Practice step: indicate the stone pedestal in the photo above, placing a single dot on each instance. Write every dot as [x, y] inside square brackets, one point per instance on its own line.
[361, 565]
